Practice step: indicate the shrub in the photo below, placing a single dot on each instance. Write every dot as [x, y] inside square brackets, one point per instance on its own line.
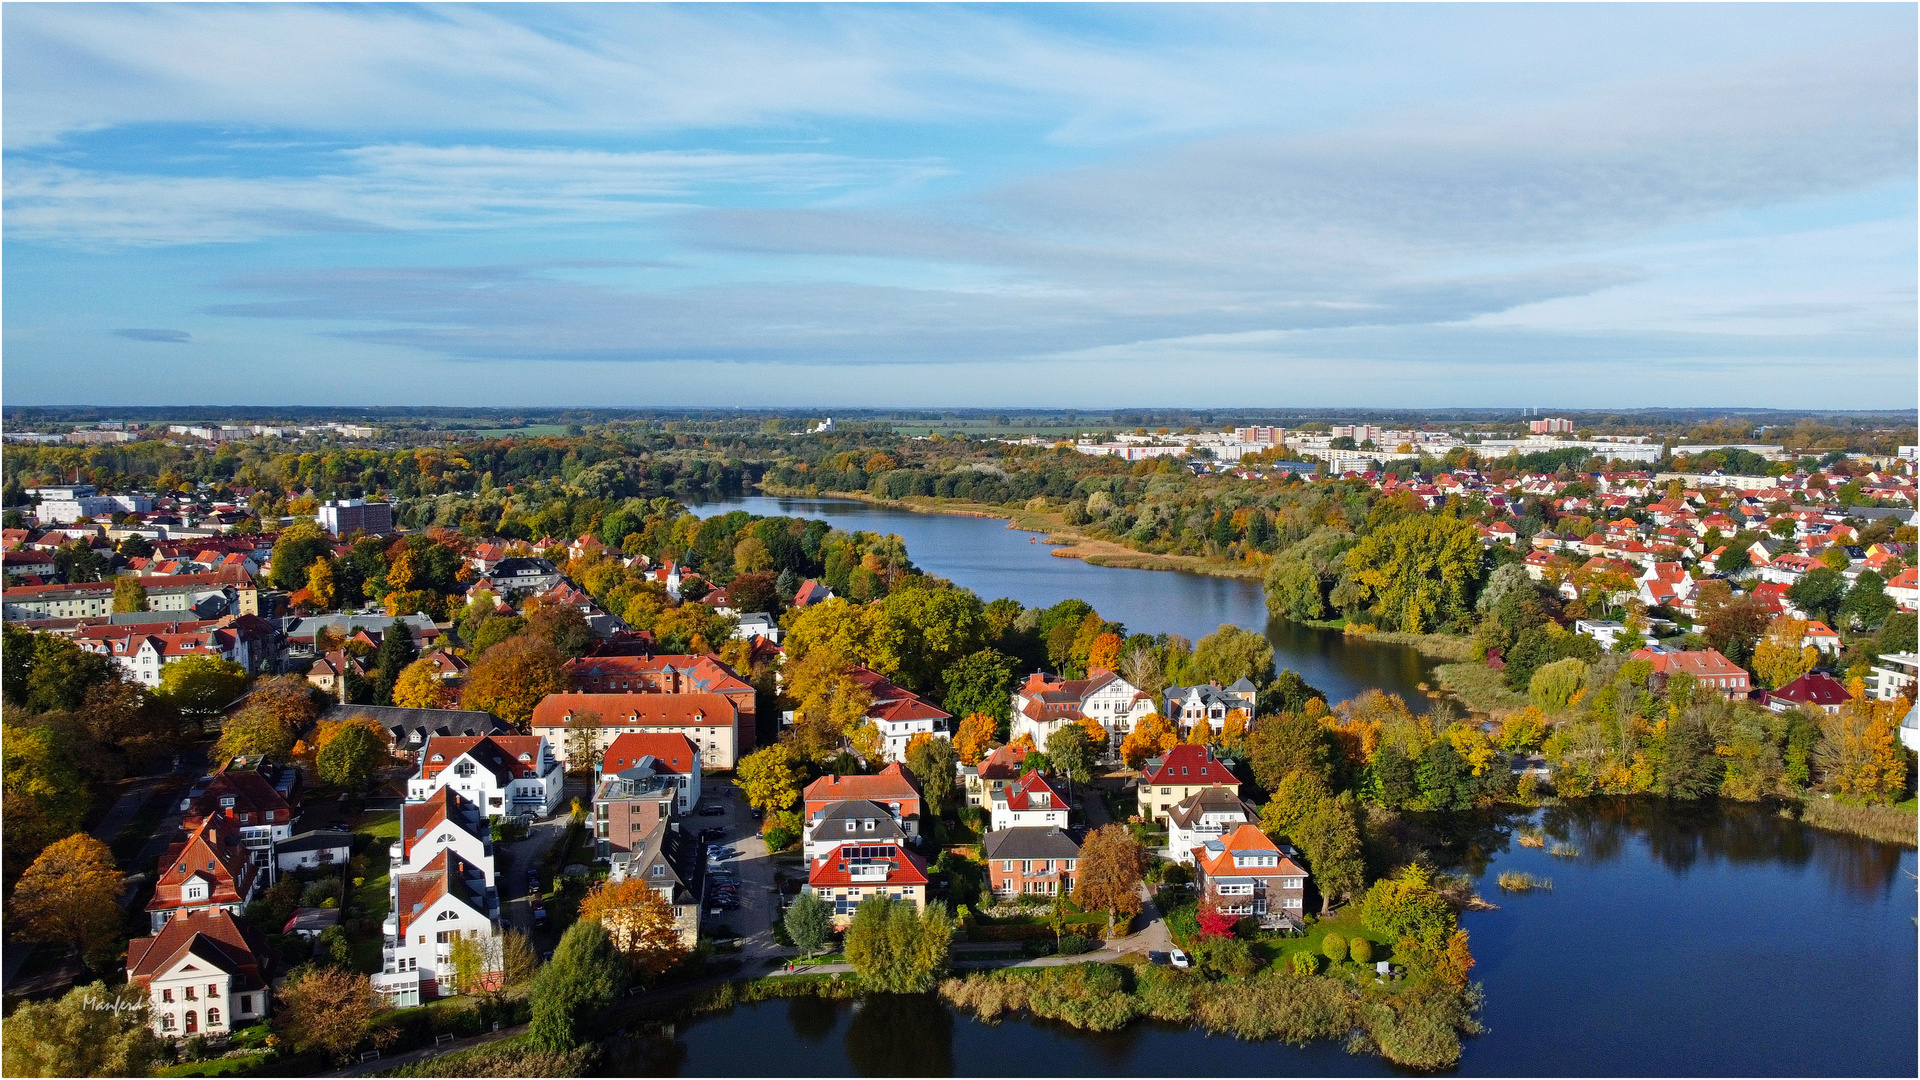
[318, 893]
[1227, 956]
[1335, 947]
[1305, 963]
[1073, 945]
[1361, 950]
[779, 838]
[1037, 948]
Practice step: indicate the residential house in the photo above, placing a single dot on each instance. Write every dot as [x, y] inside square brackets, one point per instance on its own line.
[628, 807]
[1895, 675]
[209, 869]
[327, 671]
[313, 849]
[855, 821]
[671, 860]
[1029, 802]
[258, 798]
[446, 901]
[985, 781]
[1187, 706]
[1206, 815]
[852, 872]
[408, 730]
[205, 973]
[894, 787]
[501, 774]
[1184, 772]
[1246, 874]
[670, 756]
[810, 593]
[1606, 632]
[1710, 670]
[1816, 690]
[1031, 860]
[1904, 588]
[515, 575]
[1821, 637]
[900, 714]
[710, 721]
[1045, 703]
[443, 821]
[670, 673]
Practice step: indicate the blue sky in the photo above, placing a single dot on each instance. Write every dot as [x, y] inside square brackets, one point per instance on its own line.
[1260, 206]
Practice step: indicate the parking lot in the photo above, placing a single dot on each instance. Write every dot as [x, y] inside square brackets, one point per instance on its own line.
[753, 920]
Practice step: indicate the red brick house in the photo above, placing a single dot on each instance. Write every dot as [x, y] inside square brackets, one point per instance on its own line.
[894, 787]
[1246, 874]
[209, 869]
[1710, 670]
[1031, 860]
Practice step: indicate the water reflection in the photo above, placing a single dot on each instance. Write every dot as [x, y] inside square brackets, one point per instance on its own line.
[901, 1035]
[812, 1018]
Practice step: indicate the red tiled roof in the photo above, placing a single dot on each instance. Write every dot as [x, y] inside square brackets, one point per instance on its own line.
[1023, 794]
[832, 868]
[895, 782]
[1247, 837]
[212, 934]
[1705, 663]
[637, 709]
[1814, 688]
[672, 753]
[498, 753]
[1186, 764]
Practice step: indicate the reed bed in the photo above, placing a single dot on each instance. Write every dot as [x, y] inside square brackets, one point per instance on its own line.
[1520, 881]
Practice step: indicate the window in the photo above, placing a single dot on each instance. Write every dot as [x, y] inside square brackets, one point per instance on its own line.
[190, 996]
[213, 992]
[463, 769]
[444, 937]
[850, 827]
[166, 1022]
[167, 994]
[246, 1003]
[213, 1017]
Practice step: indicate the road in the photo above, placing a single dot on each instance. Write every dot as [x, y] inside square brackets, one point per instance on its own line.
[511, 863]
[759, 900]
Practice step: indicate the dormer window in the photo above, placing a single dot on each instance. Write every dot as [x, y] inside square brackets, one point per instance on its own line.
[526, 757]
[465, 768]
[226, 802]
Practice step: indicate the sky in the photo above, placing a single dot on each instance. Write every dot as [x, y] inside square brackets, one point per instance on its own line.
[1238, 206]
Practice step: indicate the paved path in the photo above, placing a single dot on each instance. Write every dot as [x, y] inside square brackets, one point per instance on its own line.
[515, 859]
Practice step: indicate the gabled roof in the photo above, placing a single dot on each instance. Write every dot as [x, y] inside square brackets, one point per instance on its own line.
[1210, 800]
[895, 783]
[836, 867]
[1215, 859]
[1705, 662]
[445, 807]
[1030, 842]
[212, 936]
[671, 752]
[1004, 763]
[638, 709]
[445, 875]
[1032, 792]
[1186, 764]
[500, 755]
[832, 823]
[213, 852]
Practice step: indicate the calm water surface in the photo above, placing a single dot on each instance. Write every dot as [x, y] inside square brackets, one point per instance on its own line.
[1699, 941]
[984, 555]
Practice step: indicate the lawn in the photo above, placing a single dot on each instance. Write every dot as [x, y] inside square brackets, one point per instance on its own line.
[383, 826]
[1279, 950]
[220, 1066]
[1479, 687]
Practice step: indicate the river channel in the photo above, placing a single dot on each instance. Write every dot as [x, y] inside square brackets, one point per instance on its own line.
[1711, 940]
[984, 555]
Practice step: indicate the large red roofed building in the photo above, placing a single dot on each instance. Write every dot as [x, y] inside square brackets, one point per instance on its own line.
[1710, 670]
[1246, 874]
[669, 755]
[900, 714]
[1185, 771]
[446, 901]
[1815, 690]
[258, 798]
[711, 721]
[209, 869]
[501, 774]
[852, 872]
[894, 787]
[205, 973]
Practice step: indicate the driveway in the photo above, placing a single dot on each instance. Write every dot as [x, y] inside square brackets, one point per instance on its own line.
[1154, 937]
[511, 863]
[759, 902]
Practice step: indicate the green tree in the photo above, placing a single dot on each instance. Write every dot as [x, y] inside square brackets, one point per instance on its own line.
[1446, 782]
[980, 682]
[1554, 685]
[201, 686]
[1230, 654]
[396, 651]
[128, 594]
[1284, 743]
[1819, 592]
[352, 757]
[45, 798]
[809, 923]
[1072, 751]
[48, 673]
[1416, 574]
[294, 552]
[931, 630]
[1329, 836]
[254, 731]
[584, 978]
[935, 765]
[93, 1030]
[896, 949]
[1867, 604]
[564, 627]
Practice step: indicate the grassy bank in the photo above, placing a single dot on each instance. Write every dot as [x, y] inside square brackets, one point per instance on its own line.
[1887, 824]
[518, 1056]
[1479, 687]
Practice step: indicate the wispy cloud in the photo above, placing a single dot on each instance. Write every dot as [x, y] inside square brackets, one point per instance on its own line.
[170, 337]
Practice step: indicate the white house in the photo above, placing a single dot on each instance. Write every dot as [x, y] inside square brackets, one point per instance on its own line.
[444, 821]
[205, 973]
[1210, 703]
[313, 849]
[448, 900]
[1029, 802]
[501, 774]
[1045, 703]
[1208, 814]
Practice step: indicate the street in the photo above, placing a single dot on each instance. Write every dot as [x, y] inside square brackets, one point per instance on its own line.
[759, 901]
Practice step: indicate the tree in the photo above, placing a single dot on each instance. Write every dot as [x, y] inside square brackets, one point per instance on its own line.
[1445, 779]
[935, 765]
[563, 626]
[830, 704]
[1329, 836]
[320, 585]
[93, 1030]
[974, 738]
[48, 673]
[469, 959]
[1735, 626]
[1072, 752]
[585, 976]
[1780, 657]
[1819, 592]
[71, 896]
[1416, 574]
[331, 1010]
[1554, 685]
[352, 757]
[202, 685]
[771, 778]
[1284, 743]
[1230, 654]
[1113, 865]
[980, 682]
[519, 961]
[1152, 736]
[45, 797]
[420, 687]
[583, 741]
[639, 922]
[512, 677]
[896, 949]
[129, 594]
[1859, 752]
[287, 698]
[1867, 604]
[294, 553]
[927, 630]
[253, 731]
[809, 923]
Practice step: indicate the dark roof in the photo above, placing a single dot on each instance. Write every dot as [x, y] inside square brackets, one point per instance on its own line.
[411, 728]
[856, 810]
[315, 840]
[1814, 688]
[1030, 842]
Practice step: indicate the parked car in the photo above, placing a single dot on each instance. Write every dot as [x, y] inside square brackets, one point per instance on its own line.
[713, 811]
[1181, 959]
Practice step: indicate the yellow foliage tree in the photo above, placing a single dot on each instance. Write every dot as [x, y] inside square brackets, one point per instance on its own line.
[974, 738]
[1105, 652]
[1780, 658]
[771, 777]
[916, 742]
[320, 584]
[1095, 732]
[1473, 745]
[328, 730]
[640, 922]
[1860, 752]
[1200, 734]
[420, 687]
[70, 895]
[401, 574]
[1233, 730]
[1152, 736]
[512, 677]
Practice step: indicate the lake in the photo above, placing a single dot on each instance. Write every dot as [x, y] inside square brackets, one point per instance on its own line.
[984, 555]
[1710, 940]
